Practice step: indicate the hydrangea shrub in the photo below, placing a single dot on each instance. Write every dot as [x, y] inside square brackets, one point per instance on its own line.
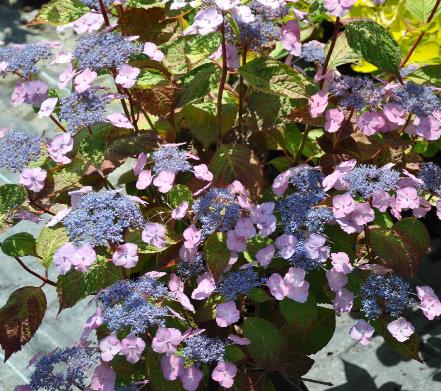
[223, 185]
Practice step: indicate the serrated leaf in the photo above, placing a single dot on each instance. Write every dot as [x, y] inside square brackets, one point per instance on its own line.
[268, 345]
[178, 194]
[216, 253]
[272, 76]
[21, 244]
[20, 318]
[300, 316]
[320, 332]
[11, 197]
[149, 78]
[60, 12]
[234, 353]
[342, 53]
[158, 100]
[375, 44]
[401, 247]
[48, 241]
[421, 9]
[201, 119]
[75, 286]
[237, 162]
[69, 175]
[198, 83]
[430, 74]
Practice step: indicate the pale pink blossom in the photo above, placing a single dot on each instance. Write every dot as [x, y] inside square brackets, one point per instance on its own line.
[180, 211]
[235, 242]
[83, 80]
[281, 182]
[244, 227]
[401, 329]
[47, 107]
[132, 347]
[318, 103]
[201, 172]
[140, 163]
[335, 180]
[59, 146]
[164, 181]
[362, 332]
[430, 303]
[190, 378]
[33, 178]
[298, 288]
[370, 123]
[315, 248]
[277, 286]
[423, 208]
[407, 198]
[66, 76]
[206, 286]
[243, 14]
[126, 255]
[227, 313]
[340, 262]
[151, 50]
[88, 23]
[192, 236]
[166, 340]
[144, 179]
[226, 5]
[127, 76]
[336, 280]
[154, 234]
[272, 3]
[84, 257]
[239, 340]
[343, 301]
[206, 21]
[290, 38]
[103, 378]
[119, 120]
[425, 127]
[110, 346]
[338, 7]
[381, 200]
[265, 255]
[334, 119]
[224, 373]
[286, 244]
[394, 113]
[342, 205]
[63, 257]
[172, 367]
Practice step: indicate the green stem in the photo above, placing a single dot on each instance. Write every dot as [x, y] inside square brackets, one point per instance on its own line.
[302, 144]
[221, 86]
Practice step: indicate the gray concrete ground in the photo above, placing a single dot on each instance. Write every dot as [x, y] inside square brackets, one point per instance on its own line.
[347, 365]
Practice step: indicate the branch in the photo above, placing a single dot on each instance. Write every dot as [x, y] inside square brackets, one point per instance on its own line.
[104, 12]
[221, 85]
[35, 274]
[331, 48]
[58, 123]
[420, 37]
[302, 144]
[241, 89]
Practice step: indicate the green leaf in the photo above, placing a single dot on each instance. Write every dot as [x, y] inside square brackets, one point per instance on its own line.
[430, 74]
[258, 295]
[401, 247]
[67, 176]
[11, 197]
[264, 108]
[216, 253]
[234, 353]
[178, 194]
[75, 286]
[48, 241]
[300, 316]
[342, 53]
[237, 162]
[375, 44]
[201, 119]
[19, 245]
[268, 345]
[198, 83]
[20, 318]
[149, 78]
[92, 147]
[272, 76]
[421, 9]
[310, 341]
[60, 12]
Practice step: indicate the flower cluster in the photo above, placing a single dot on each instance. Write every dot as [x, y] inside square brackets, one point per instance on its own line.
[22, 59]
